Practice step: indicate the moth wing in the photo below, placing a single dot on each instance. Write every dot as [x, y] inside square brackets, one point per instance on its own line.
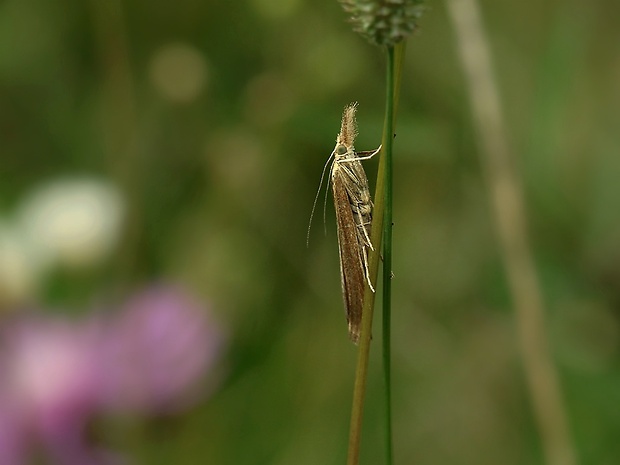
[351, 267]
[356, 185]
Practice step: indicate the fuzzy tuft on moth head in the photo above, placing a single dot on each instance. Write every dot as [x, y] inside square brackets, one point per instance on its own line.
[348, 127]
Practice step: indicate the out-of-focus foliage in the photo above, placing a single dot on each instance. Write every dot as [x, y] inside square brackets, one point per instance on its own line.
[209, 122]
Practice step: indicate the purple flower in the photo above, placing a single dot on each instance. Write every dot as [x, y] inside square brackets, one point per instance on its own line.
[49, 387]
[57, 375]
[52, 377]
[157, 351]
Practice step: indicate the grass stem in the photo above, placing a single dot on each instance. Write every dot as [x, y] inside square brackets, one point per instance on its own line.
[381, 226]
[508, 210]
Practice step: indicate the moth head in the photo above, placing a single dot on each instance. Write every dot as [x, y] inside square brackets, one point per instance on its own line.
[340, 150]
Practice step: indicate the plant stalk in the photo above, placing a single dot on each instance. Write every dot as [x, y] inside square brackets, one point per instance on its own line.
[509, 214]
[380, 219]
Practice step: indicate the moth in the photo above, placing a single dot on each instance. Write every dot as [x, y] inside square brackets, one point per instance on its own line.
[353, 207]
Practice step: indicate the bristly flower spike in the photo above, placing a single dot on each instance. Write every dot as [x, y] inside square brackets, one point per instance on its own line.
[384, 22]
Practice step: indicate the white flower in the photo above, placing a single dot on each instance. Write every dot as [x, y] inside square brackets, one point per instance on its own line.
[72, 221]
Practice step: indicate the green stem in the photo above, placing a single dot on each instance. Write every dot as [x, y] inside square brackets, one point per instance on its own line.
[394, 62]
[387, 253]
[509, 213]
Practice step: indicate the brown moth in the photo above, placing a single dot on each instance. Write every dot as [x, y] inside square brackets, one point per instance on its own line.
[353, 207]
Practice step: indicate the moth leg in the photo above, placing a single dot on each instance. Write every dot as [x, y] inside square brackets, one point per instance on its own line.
[364, 157]
[366, 270]
[362, 225]
[367, 155]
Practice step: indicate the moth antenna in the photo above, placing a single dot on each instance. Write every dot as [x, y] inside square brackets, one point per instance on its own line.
[316, 198]
[325, 204]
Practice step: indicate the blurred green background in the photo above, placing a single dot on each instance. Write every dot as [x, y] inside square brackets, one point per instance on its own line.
[214, 119]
